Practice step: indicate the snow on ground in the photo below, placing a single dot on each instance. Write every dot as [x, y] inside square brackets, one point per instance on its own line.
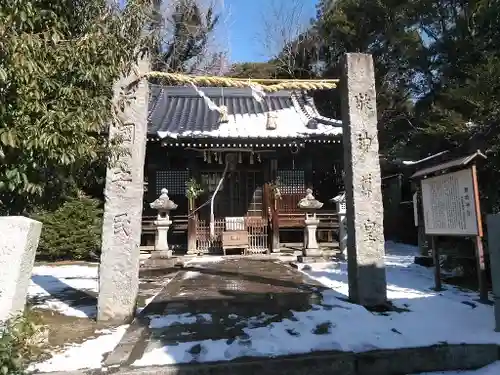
[203, 259]
[191, 275]
[158, 321]
[426, 318]
[493, 369]
[452, 316]
[60, 288]
[71, 290]
[87, 355]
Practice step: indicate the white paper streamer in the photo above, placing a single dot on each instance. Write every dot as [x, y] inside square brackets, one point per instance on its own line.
[211, 105]
[257, 92]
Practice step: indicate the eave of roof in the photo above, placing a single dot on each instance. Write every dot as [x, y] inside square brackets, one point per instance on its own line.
[452, 164]
[178, 112]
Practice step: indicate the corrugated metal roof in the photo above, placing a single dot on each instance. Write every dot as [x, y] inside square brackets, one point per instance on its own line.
[178, 112]
[460, 162]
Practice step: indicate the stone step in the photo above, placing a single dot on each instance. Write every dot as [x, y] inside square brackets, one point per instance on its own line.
[377, 362]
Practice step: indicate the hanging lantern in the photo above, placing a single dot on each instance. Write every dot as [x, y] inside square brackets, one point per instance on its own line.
[209, 156]
[240, 158]
[220, 158]
[205, 157]
[251, 158]
[258, 158]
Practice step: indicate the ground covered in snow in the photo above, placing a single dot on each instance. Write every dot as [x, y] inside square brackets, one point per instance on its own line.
[422, 317]
[70, 290]
[427, 317]
[65, 299]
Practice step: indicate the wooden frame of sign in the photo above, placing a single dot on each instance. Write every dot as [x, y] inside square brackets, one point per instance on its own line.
[451, 207]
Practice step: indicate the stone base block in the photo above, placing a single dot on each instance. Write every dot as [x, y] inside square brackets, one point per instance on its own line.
[313, 259]
[313, 252]
[161, 254]
[19, 238]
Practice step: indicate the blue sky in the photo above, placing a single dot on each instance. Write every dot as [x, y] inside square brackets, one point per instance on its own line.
[241, 21]
[244, 18]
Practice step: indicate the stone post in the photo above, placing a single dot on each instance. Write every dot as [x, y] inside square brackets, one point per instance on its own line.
[365, 214]
[163, 205]
[18, 243]
[123, 193]
[310, 205]
[341, 212]
[493, 225]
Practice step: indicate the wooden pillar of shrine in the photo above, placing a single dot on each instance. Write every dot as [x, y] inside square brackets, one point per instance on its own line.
[275, 226]
[191, 219]
[191, 228]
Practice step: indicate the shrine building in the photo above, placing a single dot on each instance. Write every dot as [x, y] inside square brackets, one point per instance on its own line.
[268, 150]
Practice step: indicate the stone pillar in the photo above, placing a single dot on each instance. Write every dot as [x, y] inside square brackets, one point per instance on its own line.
[365, 214]
[123, 193]
[18, 244]
[493, 225]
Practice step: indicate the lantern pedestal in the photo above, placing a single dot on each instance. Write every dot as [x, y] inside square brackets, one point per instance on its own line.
[311, 247]
[162, 249]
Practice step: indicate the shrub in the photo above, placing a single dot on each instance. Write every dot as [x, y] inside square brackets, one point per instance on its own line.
[21, 341]
[72, 231]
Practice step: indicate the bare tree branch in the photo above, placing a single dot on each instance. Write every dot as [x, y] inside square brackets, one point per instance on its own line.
[284, 33]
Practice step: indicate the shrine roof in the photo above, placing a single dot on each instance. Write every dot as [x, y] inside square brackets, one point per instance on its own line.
[179, 112]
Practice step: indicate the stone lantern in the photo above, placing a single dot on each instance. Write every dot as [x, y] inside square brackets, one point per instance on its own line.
[310, 205]
[163, 205]
[340, 202]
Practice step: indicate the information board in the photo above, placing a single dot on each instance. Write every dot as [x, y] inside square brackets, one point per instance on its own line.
[449, 204]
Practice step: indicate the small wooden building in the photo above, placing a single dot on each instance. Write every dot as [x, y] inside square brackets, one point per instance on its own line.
[266, 152]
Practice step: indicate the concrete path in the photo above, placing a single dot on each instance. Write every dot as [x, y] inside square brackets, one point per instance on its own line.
[220, 291]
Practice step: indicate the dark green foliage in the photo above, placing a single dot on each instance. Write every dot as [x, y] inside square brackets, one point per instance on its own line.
[58, 62]
[72, 231]
[19, 344]
[192, 27]
[253, 70]
[437, 74]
